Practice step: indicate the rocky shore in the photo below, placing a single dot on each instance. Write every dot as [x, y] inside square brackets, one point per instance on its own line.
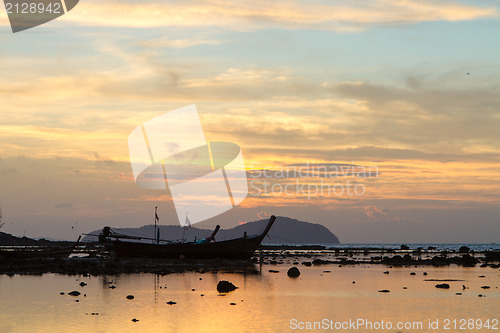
[293, 256]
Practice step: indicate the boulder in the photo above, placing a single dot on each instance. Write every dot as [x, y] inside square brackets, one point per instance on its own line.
[225, 286]
[443, 286]
[293, 272]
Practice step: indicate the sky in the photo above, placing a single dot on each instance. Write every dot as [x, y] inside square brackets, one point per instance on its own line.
[409, 90]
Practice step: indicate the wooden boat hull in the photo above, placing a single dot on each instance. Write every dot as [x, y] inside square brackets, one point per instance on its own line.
[239, 248]
[234, 249]
[28, 252]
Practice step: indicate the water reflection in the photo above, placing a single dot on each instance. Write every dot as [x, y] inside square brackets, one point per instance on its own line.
[263, 302]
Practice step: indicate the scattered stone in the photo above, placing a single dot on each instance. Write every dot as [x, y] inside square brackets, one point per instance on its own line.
[327, 271]
[74, 293]
[413, 273]
[171, 302]
[130, 297]
[485, 287]
[273, 271]
[112, 287]
[405, 287]
[443, 286]
[386, 272]
[192, 290]
[425, 273]
[480, 295]
[202, 295]
[307, 263]
[135, 320]
[464, 287]
[232, 303]
[293, 272]
[61, 293]
[225, 287]
[77, 300]
[482, 276]
[321, 262]
[458, 294]
[353, 282]
[384, 291]
[468, 261]
[83, 284]
[464, 249]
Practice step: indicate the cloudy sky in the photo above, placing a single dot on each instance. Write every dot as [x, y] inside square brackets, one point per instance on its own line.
[409, 88]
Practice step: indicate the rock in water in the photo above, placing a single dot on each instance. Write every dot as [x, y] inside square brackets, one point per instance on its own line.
[74, 293]
[225, 287]
[293, 272]
[464, 249]
[443, 286]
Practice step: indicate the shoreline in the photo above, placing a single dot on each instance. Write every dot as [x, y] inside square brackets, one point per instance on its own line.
[300, 256]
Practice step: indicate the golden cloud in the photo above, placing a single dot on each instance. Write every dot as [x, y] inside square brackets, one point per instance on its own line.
[332, 15]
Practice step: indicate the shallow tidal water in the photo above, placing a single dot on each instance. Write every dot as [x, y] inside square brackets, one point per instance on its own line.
[269, 302]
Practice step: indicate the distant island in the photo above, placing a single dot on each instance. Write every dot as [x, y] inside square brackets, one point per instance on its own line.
[11, 240]
[284, 231]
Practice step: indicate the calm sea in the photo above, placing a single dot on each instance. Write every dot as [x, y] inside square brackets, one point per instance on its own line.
[413, 246]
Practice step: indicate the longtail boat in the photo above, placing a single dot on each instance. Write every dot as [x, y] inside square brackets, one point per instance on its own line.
[238, 248]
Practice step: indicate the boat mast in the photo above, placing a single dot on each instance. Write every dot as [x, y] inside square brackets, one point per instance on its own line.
[156, 219]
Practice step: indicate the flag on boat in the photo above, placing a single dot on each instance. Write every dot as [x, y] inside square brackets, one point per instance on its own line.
[188, 223]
